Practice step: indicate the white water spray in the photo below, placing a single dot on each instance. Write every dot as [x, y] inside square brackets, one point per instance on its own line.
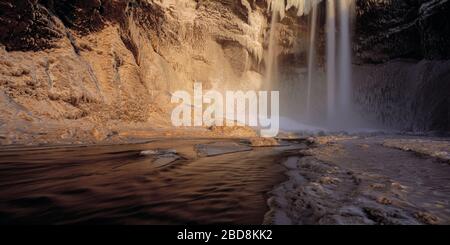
[337, 102]
[345, 76]
[271, 61]
[278, 9]
[339, 73]
[331, 60]
[311, 61]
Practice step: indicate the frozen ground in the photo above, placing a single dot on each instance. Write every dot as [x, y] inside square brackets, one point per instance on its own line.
[365, 180]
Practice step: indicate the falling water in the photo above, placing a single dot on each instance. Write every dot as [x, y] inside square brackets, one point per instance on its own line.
[278, 9]
[331, 60]
[311, 60]
[271, 59]
[338, 98]
[345, 77]
[338, 67]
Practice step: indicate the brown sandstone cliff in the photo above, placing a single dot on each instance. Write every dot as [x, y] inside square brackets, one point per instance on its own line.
[90, 68]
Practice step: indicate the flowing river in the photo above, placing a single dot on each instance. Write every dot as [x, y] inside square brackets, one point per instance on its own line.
[173, 183]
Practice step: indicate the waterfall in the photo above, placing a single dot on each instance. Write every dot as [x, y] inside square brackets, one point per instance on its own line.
[345, 77]
[311, 61]
[331, 60]
[337, 100]
[338, 64]
[278, 9]
[271, 61]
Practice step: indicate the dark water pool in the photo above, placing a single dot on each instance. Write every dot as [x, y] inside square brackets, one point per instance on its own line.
[116, 185]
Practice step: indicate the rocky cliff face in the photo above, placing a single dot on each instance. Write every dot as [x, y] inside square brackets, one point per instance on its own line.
[410, 40]
[389, 29]
[87, 69]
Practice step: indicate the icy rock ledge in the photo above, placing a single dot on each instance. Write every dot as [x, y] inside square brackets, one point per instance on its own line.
[303, 6]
